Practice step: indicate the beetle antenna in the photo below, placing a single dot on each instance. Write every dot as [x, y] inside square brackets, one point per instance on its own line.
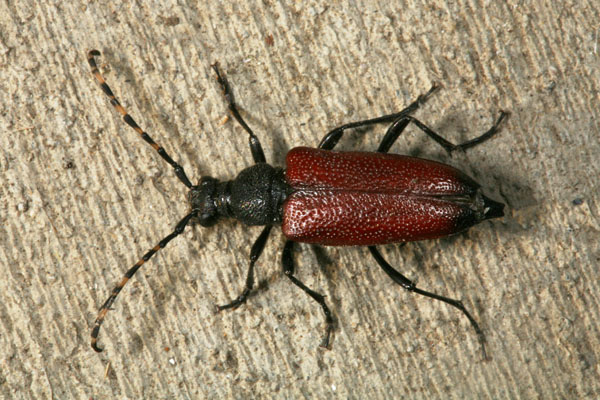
[127, 118]
[111, 299]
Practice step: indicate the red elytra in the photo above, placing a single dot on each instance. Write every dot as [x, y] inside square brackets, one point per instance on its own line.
[366, 198]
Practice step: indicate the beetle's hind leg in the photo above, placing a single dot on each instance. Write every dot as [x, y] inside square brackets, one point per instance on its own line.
[257, 249]
[402, 122]
[288, 269]
[411, 287]
[333, 137]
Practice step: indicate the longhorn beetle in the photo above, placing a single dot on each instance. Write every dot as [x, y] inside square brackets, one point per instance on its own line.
[331, 198]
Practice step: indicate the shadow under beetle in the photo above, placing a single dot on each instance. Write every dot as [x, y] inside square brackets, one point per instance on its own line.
[331, 198]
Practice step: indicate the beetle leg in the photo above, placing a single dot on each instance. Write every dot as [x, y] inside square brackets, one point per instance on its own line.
[288, 269]
[400, 124]
[255, 253]
[491, 132]
[410, 286]
[255, 147]
[332, 138]
[393, 132]
[130, 121]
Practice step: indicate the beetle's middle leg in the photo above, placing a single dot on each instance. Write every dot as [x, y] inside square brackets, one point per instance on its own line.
[255, 147]
[333, 137]
[288, 269]
[257, 249]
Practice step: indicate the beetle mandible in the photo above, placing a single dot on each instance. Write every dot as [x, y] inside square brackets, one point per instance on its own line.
[331, 198]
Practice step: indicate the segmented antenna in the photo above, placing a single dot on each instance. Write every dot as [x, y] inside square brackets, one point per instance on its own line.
[111, 299]
[178, 171]
[127, 118]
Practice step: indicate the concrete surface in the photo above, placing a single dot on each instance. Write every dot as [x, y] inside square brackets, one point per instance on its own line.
[83, 198]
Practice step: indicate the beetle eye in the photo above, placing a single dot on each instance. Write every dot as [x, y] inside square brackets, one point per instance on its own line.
[201, 198]
[207, 220]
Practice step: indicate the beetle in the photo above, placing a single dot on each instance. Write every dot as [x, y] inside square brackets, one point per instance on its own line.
[330, 198]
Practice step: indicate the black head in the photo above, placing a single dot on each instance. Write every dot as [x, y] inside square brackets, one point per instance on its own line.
[202, 198]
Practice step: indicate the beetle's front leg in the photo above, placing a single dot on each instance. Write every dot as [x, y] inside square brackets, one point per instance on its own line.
[255, 147]
[255, 253]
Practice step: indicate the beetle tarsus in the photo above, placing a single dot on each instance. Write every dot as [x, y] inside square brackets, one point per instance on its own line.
[234, 304]
[255, 147]
[332, 138]
[255, 252]
[325, 343]
[424, 97]
[398, 126]
[288, 269]
[410, 286]
[487, 135]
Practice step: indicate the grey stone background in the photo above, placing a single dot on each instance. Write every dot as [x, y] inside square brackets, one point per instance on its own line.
[82, 198]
